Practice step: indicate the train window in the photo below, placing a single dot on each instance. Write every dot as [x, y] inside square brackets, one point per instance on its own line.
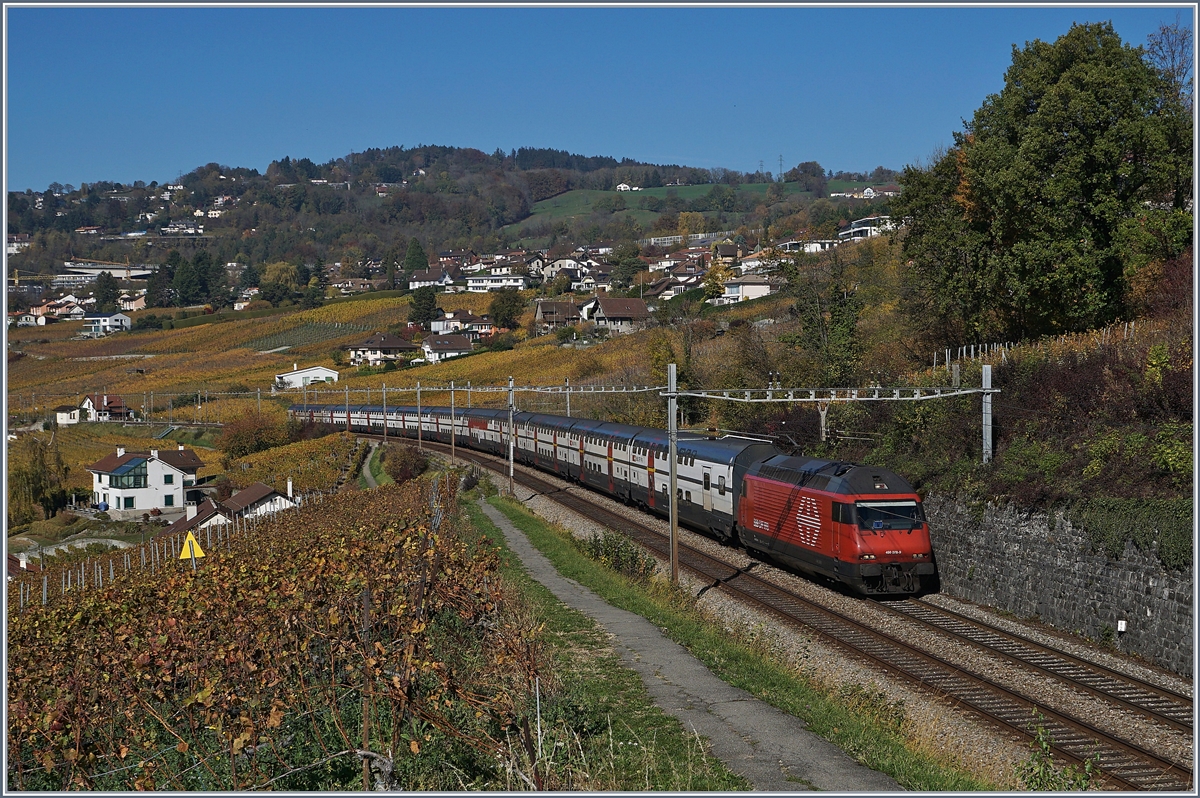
[721, 485]
[707, 481]
[688, 496]
[889, 515]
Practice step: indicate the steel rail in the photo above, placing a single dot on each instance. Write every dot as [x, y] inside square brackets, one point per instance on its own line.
[1124, 764]
[1157, 703]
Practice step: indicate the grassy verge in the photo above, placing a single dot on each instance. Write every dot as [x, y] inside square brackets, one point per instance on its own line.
[377, 469]
[606, 732]
[867, 727]
[196, 436]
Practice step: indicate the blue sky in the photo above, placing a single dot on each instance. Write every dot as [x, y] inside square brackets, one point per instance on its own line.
[130, 94]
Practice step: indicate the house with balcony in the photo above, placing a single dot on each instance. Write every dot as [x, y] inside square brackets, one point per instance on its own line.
[463, 322]
[98, 325]
[618, 316]
[745, 288]
[438, 277]
[133, 301]
[550, 316]
[383, 348]
[443, 347]
[129, 484]
[497, 278]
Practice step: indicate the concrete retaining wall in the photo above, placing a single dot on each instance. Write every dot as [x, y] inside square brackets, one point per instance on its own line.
[1032, 565]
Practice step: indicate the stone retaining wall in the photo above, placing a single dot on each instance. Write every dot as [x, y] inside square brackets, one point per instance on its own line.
[1032, 565]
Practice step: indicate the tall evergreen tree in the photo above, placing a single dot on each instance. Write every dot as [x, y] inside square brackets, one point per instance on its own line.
[424, 306]
[106, 293]
[415, 259]
[187, 285]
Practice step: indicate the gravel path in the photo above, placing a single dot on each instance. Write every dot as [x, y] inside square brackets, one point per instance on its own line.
[933, 726]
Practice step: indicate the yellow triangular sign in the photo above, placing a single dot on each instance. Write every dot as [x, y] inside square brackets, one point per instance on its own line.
[191, 548]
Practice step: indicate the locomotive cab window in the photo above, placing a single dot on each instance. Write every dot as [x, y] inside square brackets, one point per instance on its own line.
[895, 515]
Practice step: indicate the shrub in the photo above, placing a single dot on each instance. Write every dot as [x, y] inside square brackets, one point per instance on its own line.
[250, 434]
[618, 553]
[402, 462]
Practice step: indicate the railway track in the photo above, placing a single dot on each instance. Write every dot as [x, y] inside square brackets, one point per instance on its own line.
[1122, 763]
[1156, 703]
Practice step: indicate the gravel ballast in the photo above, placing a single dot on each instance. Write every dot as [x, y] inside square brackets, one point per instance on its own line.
[933, 726]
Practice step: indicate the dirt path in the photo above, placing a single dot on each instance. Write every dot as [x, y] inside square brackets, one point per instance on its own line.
[772, 749]
[76, 543]
[368, 477]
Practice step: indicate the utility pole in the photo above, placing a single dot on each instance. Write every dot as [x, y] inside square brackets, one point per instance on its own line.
[987, 413]
[567, 380]
[672, 458]
[385, 418]
[468, 394]
[511, 438]
[347, 406]
[453, 432]
[260, 401]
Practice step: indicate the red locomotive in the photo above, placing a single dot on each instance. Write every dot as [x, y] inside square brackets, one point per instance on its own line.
[859, 525]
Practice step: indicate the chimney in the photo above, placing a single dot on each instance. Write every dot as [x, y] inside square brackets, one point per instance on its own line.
[105, 401]
[294, 366]
[154, 453]
[120, 451]
[181, 447]
[191, 510]
[290, 488]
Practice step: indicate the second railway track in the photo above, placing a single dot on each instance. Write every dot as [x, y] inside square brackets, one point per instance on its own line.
[1122, 763]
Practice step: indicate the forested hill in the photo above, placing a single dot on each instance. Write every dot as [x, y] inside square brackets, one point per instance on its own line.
[364, 204]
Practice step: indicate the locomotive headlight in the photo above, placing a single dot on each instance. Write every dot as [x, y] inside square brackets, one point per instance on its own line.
[866, 556]
[919, 556]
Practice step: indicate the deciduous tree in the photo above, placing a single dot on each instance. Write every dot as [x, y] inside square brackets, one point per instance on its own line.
[1013, 232]
[506, 308]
